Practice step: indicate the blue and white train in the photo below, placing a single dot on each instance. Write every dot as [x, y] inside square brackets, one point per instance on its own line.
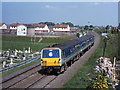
[57, 57]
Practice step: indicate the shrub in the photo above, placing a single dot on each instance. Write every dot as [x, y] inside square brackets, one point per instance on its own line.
[100, 83]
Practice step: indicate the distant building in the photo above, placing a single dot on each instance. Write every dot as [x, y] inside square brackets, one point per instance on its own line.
[61, 28]
[73, 29]
[104, 34]
[21, 30]
[3, 27]
[110, 28]
[30, 30]
[39, 28]
[13, 27]
[24, 30]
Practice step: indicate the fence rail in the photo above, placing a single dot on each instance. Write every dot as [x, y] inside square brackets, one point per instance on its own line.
[21, 64]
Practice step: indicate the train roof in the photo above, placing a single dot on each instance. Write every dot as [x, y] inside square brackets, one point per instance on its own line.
[72, 42]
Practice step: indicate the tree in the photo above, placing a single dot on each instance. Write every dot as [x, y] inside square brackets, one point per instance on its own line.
[113, 30]
[78, 35]
[69, 23]
[91, 26]
[107, 27]
[86, 27]
[48, 23]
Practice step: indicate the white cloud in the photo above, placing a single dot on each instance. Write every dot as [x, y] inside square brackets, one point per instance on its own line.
[96, 3]
[48, 6]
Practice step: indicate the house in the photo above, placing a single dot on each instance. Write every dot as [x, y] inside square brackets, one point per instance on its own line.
[13, 27]
[73, 29]
[61, 28]
[24, 30]
[21, 30]
[3, 27]
[39, 28]
[104, 34]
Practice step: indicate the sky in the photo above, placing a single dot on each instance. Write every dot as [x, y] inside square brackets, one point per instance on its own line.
[79, 13]
[119, 12]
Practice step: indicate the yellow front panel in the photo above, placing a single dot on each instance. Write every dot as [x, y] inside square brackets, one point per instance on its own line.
[50, 62]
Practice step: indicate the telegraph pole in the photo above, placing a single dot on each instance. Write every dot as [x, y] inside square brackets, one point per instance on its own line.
[105, 44]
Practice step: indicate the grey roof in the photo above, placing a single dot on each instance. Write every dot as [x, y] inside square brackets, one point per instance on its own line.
[72, 42]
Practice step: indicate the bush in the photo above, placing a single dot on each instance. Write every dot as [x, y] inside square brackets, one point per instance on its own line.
[78, 35]
[101, 82]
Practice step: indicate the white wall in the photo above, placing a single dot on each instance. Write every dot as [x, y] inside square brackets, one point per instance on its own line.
[11, 27]
[62, 29]
[45, 28]
[4, 26]
[21, 30]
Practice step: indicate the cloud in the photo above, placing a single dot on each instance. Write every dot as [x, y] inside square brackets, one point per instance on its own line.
[96, 3]
[48, 6]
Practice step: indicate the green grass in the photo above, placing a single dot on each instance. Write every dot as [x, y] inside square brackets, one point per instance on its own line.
[25, 42]
[81, 79]
[112, 47]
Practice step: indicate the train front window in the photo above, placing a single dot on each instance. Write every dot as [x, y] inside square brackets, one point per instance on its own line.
[44, 54]
[54, 53]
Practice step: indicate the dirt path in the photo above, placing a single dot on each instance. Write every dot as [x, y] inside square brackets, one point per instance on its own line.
[67, 75]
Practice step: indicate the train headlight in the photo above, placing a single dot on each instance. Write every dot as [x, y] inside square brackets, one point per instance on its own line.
[55, 62]
[41, 60]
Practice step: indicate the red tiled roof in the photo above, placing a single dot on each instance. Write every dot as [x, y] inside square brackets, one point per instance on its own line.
[1, 24]
[16, 24]
[60, 26]
[39, 25]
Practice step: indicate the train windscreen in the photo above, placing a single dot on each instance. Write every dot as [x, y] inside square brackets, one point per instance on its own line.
[50, 53]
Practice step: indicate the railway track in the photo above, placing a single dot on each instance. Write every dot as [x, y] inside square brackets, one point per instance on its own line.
[30, 79]
[35, 81]
[18, 78]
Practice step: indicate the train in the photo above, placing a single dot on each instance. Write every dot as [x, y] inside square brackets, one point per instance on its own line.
[59, 56]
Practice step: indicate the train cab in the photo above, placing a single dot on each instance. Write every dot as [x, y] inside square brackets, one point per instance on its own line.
[50, 57]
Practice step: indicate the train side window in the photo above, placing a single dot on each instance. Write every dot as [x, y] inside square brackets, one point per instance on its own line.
[64, 54]
[83, 44]
[87, 41]
[77, 46]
